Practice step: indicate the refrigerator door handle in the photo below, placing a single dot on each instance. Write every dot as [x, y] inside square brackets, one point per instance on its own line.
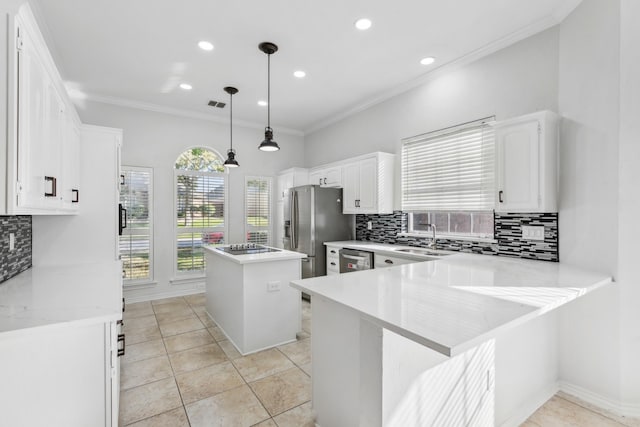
[294, 221]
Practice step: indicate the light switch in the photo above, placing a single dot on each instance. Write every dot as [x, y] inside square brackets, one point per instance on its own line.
[12, 241]
[369, 225]
[532, 233]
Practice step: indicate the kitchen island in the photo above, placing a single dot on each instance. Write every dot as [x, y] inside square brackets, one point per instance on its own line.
[423, 343]
[248, 296]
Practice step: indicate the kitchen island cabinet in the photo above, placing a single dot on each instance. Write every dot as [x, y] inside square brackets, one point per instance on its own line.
[59, 346]
[430, 343]
[249, 298]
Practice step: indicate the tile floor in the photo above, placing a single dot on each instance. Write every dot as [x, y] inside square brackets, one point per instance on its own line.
[180, 370]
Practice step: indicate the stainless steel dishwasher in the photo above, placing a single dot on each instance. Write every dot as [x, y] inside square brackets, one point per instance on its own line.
[355, 260]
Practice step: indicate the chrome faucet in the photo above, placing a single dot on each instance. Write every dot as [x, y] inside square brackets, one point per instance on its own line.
[432, 245]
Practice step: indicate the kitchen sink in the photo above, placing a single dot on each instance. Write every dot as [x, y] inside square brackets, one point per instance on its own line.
[423, 251]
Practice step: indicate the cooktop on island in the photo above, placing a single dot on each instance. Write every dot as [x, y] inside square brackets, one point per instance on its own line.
[245, 249]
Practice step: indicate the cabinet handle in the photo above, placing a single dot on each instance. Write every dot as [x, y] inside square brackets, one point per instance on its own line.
[325, 181]
[388, 261]
[123, 304]
[54, 185]
[320, 181]
[500, 193]
[76, 195]
[333, 251]
[121, 350]
[333, 263]
[121, 179]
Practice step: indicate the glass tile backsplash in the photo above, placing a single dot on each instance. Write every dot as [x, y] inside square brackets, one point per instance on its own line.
[14, 261]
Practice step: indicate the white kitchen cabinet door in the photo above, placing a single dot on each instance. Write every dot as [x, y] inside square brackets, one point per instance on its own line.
[285, 182]
[333, 259]
[71, 166]
[54, 130]
[526, 164]
[315, 177]
[384, 261]
[332, 177]
[350, 188]
[368, 186]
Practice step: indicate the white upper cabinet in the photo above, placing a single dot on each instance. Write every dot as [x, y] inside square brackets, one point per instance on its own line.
[368, 184]
[290, 178]
[526, 163]
[43, 152]
[326, 176]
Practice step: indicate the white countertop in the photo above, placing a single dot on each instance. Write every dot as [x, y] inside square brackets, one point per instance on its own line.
[384, 248]
[280, 255]
[457, 302]
[54, 296]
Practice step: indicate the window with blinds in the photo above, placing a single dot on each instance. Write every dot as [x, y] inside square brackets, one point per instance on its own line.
[449, 170]
[201, 189]
[258, 210]
[136, 241]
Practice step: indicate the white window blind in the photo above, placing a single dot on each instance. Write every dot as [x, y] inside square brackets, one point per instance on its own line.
[258, 210]
[136, 241]
[449, 170]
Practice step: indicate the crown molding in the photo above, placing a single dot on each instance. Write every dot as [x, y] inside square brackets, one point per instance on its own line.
[155, 108]
[545, 23]
[565, 9]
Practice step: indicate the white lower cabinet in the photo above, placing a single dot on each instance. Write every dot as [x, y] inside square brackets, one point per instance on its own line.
[384, 261]
[64, 375]
[333, 260]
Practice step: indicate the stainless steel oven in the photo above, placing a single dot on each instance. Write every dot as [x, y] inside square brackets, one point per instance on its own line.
[355, 260]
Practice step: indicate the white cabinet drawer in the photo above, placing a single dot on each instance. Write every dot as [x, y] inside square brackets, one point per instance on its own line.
[383, 261]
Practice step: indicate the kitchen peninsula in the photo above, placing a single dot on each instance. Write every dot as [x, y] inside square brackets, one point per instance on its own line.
[248, 295]
[424, 343]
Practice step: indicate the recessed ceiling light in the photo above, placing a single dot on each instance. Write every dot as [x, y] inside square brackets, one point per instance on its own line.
[262, 103]
[186, 86]
[363, 24]
[205, 45]
[428, 60]
[299, 74]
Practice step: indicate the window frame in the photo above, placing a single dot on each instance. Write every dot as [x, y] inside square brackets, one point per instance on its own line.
[179, 276]
[247, 227]
[478, 237]
[127, 231]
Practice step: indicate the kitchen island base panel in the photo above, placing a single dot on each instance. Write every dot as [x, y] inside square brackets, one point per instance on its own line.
[386, 379]
[252, 303]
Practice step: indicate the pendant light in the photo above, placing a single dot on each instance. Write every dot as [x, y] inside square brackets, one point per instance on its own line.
[231, 161]
[268, 144]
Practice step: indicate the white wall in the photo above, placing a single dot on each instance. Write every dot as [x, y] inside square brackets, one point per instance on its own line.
[588, 99]
[629, 202]
[155, 140]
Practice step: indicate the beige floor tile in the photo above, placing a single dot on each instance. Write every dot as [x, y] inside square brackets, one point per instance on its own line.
[144, 371]
[627, 421]
[138, 309]
[301, 335]
[206, 320]
[167, 300]
[259, 365]
[174, 418]
[139, 323]
[196, 358]
[139, 335]
[283, 391]
[176, 343]
[306, 368]
[238, 407]
[170, 306]
[300, 416]
[229, 349]
[181, 326]
[200, 310]
[299, 352]
[306, 325]
[558, 412]
[202, 383]
[144, 350]
[196, 299]
[148, 400]
[266, 423]
[217, 333]
[172, 316]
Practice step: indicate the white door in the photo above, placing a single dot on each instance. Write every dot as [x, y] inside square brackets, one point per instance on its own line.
[518, 167]
[368, 184]
[351, 178]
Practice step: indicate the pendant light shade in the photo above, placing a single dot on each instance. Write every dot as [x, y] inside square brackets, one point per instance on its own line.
[231, 161]
[268, 144]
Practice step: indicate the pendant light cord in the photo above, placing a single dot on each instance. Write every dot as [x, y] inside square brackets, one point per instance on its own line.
[269, 91]
[231, 121]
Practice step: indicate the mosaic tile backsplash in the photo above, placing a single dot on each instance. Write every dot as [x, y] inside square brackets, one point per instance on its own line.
[508, 233]
[18, 260]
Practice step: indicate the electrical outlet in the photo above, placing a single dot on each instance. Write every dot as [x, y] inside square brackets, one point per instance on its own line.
[273, 286]
[12, 241]
[369, 225]
[532, 233]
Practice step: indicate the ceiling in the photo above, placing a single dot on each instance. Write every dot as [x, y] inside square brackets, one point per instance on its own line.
[138, 52]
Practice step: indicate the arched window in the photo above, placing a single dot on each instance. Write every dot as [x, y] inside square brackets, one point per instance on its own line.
[201, 190]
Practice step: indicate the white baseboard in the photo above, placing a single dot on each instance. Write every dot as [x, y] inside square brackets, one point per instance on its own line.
[623, 409]
[129, 299]
[521, 414]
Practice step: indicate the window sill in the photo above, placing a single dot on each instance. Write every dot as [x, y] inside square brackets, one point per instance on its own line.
[187, 280]
[450, 237]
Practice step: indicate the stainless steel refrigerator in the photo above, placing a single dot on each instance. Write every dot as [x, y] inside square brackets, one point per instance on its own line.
[313, 215]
